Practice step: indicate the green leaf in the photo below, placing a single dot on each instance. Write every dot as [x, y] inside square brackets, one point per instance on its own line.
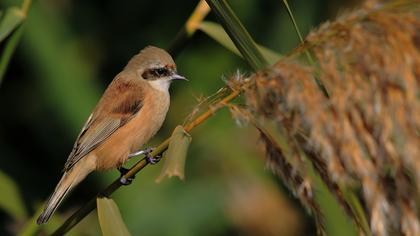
[110, 218]
[10, 198]
[177, 153]
[9, 49]
[237, 32]
[12, 18]
[216, 32]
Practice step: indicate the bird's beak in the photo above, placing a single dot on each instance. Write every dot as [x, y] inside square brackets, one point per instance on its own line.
[178, 77]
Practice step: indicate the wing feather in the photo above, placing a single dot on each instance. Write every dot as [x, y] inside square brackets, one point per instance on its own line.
[103, 122]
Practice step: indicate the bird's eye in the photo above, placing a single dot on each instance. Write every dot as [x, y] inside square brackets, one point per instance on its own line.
[155, 73]
[160, 72]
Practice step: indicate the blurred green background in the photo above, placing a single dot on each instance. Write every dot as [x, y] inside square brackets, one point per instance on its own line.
[70, 51]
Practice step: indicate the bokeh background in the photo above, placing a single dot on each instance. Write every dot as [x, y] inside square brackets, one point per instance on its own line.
[71, 50]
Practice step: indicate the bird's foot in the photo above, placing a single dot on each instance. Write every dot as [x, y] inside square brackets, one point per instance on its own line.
[141, 152]
[153, 160]
[124, 180]
[146, 152]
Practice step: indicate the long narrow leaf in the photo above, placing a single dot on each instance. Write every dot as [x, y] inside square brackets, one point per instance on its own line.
[216, 32]
[239, 35]
[11, 23]
[307, 53]
[289, 11]
[295, 25]
[12, 18]
[9, 48]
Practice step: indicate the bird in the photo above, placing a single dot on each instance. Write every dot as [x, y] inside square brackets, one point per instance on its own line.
[130, 112]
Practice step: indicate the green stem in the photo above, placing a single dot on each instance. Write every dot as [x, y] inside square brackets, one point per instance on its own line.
[307, 54]
[295, 25]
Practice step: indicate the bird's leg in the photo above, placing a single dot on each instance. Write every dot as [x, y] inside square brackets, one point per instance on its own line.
[146, 152]
[149, 158]
[141, 152]
[123, 180]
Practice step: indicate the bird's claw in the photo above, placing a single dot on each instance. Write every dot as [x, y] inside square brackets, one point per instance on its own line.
[149, 158]
[153, 160]
[124, 180]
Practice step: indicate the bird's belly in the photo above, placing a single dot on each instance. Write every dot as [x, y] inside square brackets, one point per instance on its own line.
[130, 137]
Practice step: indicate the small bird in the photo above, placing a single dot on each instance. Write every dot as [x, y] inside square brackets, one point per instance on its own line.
[130, 112]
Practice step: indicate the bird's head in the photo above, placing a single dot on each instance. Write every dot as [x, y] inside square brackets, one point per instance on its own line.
[155, 66]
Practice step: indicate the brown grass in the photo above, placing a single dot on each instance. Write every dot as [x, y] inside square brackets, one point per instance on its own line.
[367, 133]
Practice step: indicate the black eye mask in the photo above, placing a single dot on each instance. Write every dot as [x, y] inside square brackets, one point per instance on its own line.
[155, 73]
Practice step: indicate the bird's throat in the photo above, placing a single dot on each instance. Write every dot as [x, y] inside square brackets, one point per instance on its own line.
[160, 84]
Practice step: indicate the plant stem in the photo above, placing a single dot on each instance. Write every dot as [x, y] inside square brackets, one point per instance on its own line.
[307, 53]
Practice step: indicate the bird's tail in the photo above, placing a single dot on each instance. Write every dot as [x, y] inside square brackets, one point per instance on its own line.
[69, 180]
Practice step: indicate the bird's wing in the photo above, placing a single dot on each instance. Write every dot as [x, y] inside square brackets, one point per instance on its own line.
[103, 122]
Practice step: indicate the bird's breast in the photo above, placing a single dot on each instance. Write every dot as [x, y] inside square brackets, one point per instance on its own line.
[148, 120]
[133, 135]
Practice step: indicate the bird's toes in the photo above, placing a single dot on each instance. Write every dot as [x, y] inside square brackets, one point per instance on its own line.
[153, 160]
[126, 181]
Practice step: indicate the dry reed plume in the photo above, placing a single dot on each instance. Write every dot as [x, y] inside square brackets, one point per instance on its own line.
[366, 135]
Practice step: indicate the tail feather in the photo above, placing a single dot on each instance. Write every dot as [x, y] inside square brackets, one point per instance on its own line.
[63, 187]
[69, 180]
